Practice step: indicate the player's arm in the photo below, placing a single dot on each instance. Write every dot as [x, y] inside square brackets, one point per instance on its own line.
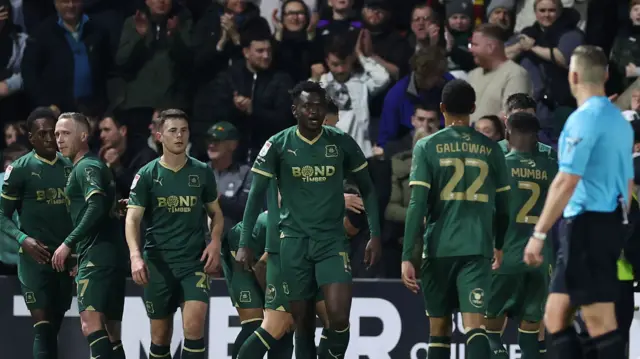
[420, 183]
[217, 221]
[94, 190]
[139, 198]
[259, 235]
[502, 196]
[12, 192]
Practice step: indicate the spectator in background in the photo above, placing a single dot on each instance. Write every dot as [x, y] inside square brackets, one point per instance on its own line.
[426, 117]
[425, 30]
[67, 61]
[233, 179]
[9, 247]
[293, 46]
[625, 53]
[458, 31]
[251, 95]
[122, 156]
[490, 126]
[342, 22]
[14, 132]
[544, 50]
[350, 86]
[501, 13]
[424, 85]
[496, 77]
[13, 104]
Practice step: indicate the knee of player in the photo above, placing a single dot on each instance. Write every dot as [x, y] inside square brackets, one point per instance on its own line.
[90, 322]
[161, 332]
[440, 326]
[339, 321]
[277, 324]
[193, 328]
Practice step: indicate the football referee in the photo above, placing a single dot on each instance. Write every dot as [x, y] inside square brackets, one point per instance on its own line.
[591, 191]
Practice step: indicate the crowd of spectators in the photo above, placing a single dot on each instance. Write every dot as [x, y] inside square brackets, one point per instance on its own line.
[230, 67]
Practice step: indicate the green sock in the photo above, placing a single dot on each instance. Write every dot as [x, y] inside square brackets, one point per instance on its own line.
[322, 347]
[100, 345]
[118, 350]
[498, 350]
[193, 349]
[529, 346]
[246, 330]
[44, 341]
[477, 344]
[337, 343]
[283, 348]
[439, 348]
[160, 351]
[305, 346]
[542, 348]
[257, 345]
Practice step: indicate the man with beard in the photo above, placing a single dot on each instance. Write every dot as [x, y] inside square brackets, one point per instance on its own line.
[500, 13]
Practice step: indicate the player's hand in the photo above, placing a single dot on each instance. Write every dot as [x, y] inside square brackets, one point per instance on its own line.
[532, 252]
[211, 257]
[60, 257]
[260, 272]
[36, 250]
[409, 277]
[139, 271]
[244, 257]
[372, 252]
[121, 207]
[497, 259]
[74, 271]
[353, 203]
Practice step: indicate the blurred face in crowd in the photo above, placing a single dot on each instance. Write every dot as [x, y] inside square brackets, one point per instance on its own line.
[11, 133]
[635, 100]
[500, 17]
[236, 6]
[420, 21]
[110, 134]
[634, 14]
[459, 22]
[310, 109]
[43, 138]
[159, 7]
[70, 137]
[69, 10]
[258, 54]
[482, 48]
[294, 17]
[425, 120]
[331, 119]
[340, 5]
[487, 128]
[374, 16]
[221, 149]
[174, 135]
[340, 68]
[546, 12]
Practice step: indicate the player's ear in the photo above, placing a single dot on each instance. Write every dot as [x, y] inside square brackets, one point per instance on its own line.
[84, 136]
[473, 109]
[443, 108]
[158, 136]
[293, 109]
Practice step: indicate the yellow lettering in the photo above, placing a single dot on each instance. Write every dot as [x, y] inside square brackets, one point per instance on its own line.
[178, 204]
[40, 195]
[467, 147]
[530, 173]
[310, 173]
[439, 148]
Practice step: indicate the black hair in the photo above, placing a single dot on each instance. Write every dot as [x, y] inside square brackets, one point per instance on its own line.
[523, 123]
[332, 108]
[304, 5]
[115, 117]
[254, 30]
[427, 106]
[497, 124]
[340, 47]
[172, 114]
[38, 113]
[458, 97]
[519, 101]
[307, 86]
[78, 118]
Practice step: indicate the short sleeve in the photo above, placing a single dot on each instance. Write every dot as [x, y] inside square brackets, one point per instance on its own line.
[210, 190]
[576, 144]
[90, 179]
[140, 190]
[354, 160]
[420, 174]
[501, 171]
[568, 42]
[12, 183]
[265, 163]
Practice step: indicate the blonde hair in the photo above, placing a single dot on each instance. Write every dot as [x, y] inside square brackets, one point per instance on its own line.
[591, 63]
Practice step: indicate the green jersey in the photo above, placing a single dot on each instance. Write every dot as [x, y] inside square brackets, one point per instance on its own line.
[542, 148]
[175, 215]
[38, 186]
[310, 175]
[531, 176]
[104, 245]
[463, 170]
[259, 237]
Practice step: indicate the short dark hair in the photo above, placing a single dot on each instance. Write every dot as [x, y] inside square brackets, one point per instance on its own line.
[14, 151]
[78, 118]
[458, 97]
[332, 108]
[497, 124]
[426, 106]
[38, 113]
[254, 30]
[307, 86]
[492, 31]
[524, 123]
[115, 118]
[519, 101]
[340, 47]
[432, 59]
[171, 114]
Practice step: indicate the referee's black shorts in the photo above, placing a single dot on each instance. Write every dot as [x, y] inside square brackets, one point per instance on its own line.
[586, 269]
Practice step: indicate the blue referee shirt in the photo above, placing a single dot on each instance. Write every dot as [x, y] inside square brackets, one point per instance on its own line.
[597, 145]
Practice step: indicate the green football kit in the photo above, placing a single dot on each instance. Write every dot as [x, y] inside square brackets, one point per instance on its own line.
[517, 290]
[34, 186]
[463, 182]
[97, 238]
[174, 200]
[542, 148]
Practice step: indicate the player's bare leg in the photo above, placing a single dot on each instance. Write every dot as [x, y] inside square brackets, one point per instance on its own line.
[321, 312]
[114, 329]
[476, 336]
[440, 337]
[193, 319]
[337, 297]
[94, 329]
[495, 328]
[542, 346]
[528, 334]
[562, 335]
[45, 340]
[279, 325]
[250, 320]
[161, 332]
[303, 312]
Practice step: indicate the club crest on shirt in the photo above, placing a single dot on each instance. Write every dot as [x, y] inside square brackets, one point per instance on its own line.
[67, 171]
[7, 173]
[91, 175]
[331, 151]
[194, 181]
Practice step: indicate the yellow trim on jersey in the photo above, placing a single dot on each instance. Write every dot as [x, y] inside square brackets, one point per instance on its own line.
[173, 169]
[505, 188]
[135, 206]
[42, 159]
[8, 197]
[419, 183]
[361, 167]
[261, 172]
[95, 191]
[311, 142]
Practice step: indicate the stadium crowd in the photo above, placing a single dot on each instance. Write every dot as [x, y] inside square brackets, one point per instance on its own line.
[383, 64]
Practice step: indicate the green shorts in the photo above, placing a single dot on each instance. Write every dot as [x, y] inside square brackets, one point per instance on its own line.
[455, 283]
[519, 296]
[101, 289]
[243, 287]
[308, 264]
[43, 287]
[172, 285]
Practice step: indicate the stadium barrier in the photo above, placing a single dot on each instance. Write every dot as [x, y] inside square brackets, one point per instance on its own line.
[387, 322]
